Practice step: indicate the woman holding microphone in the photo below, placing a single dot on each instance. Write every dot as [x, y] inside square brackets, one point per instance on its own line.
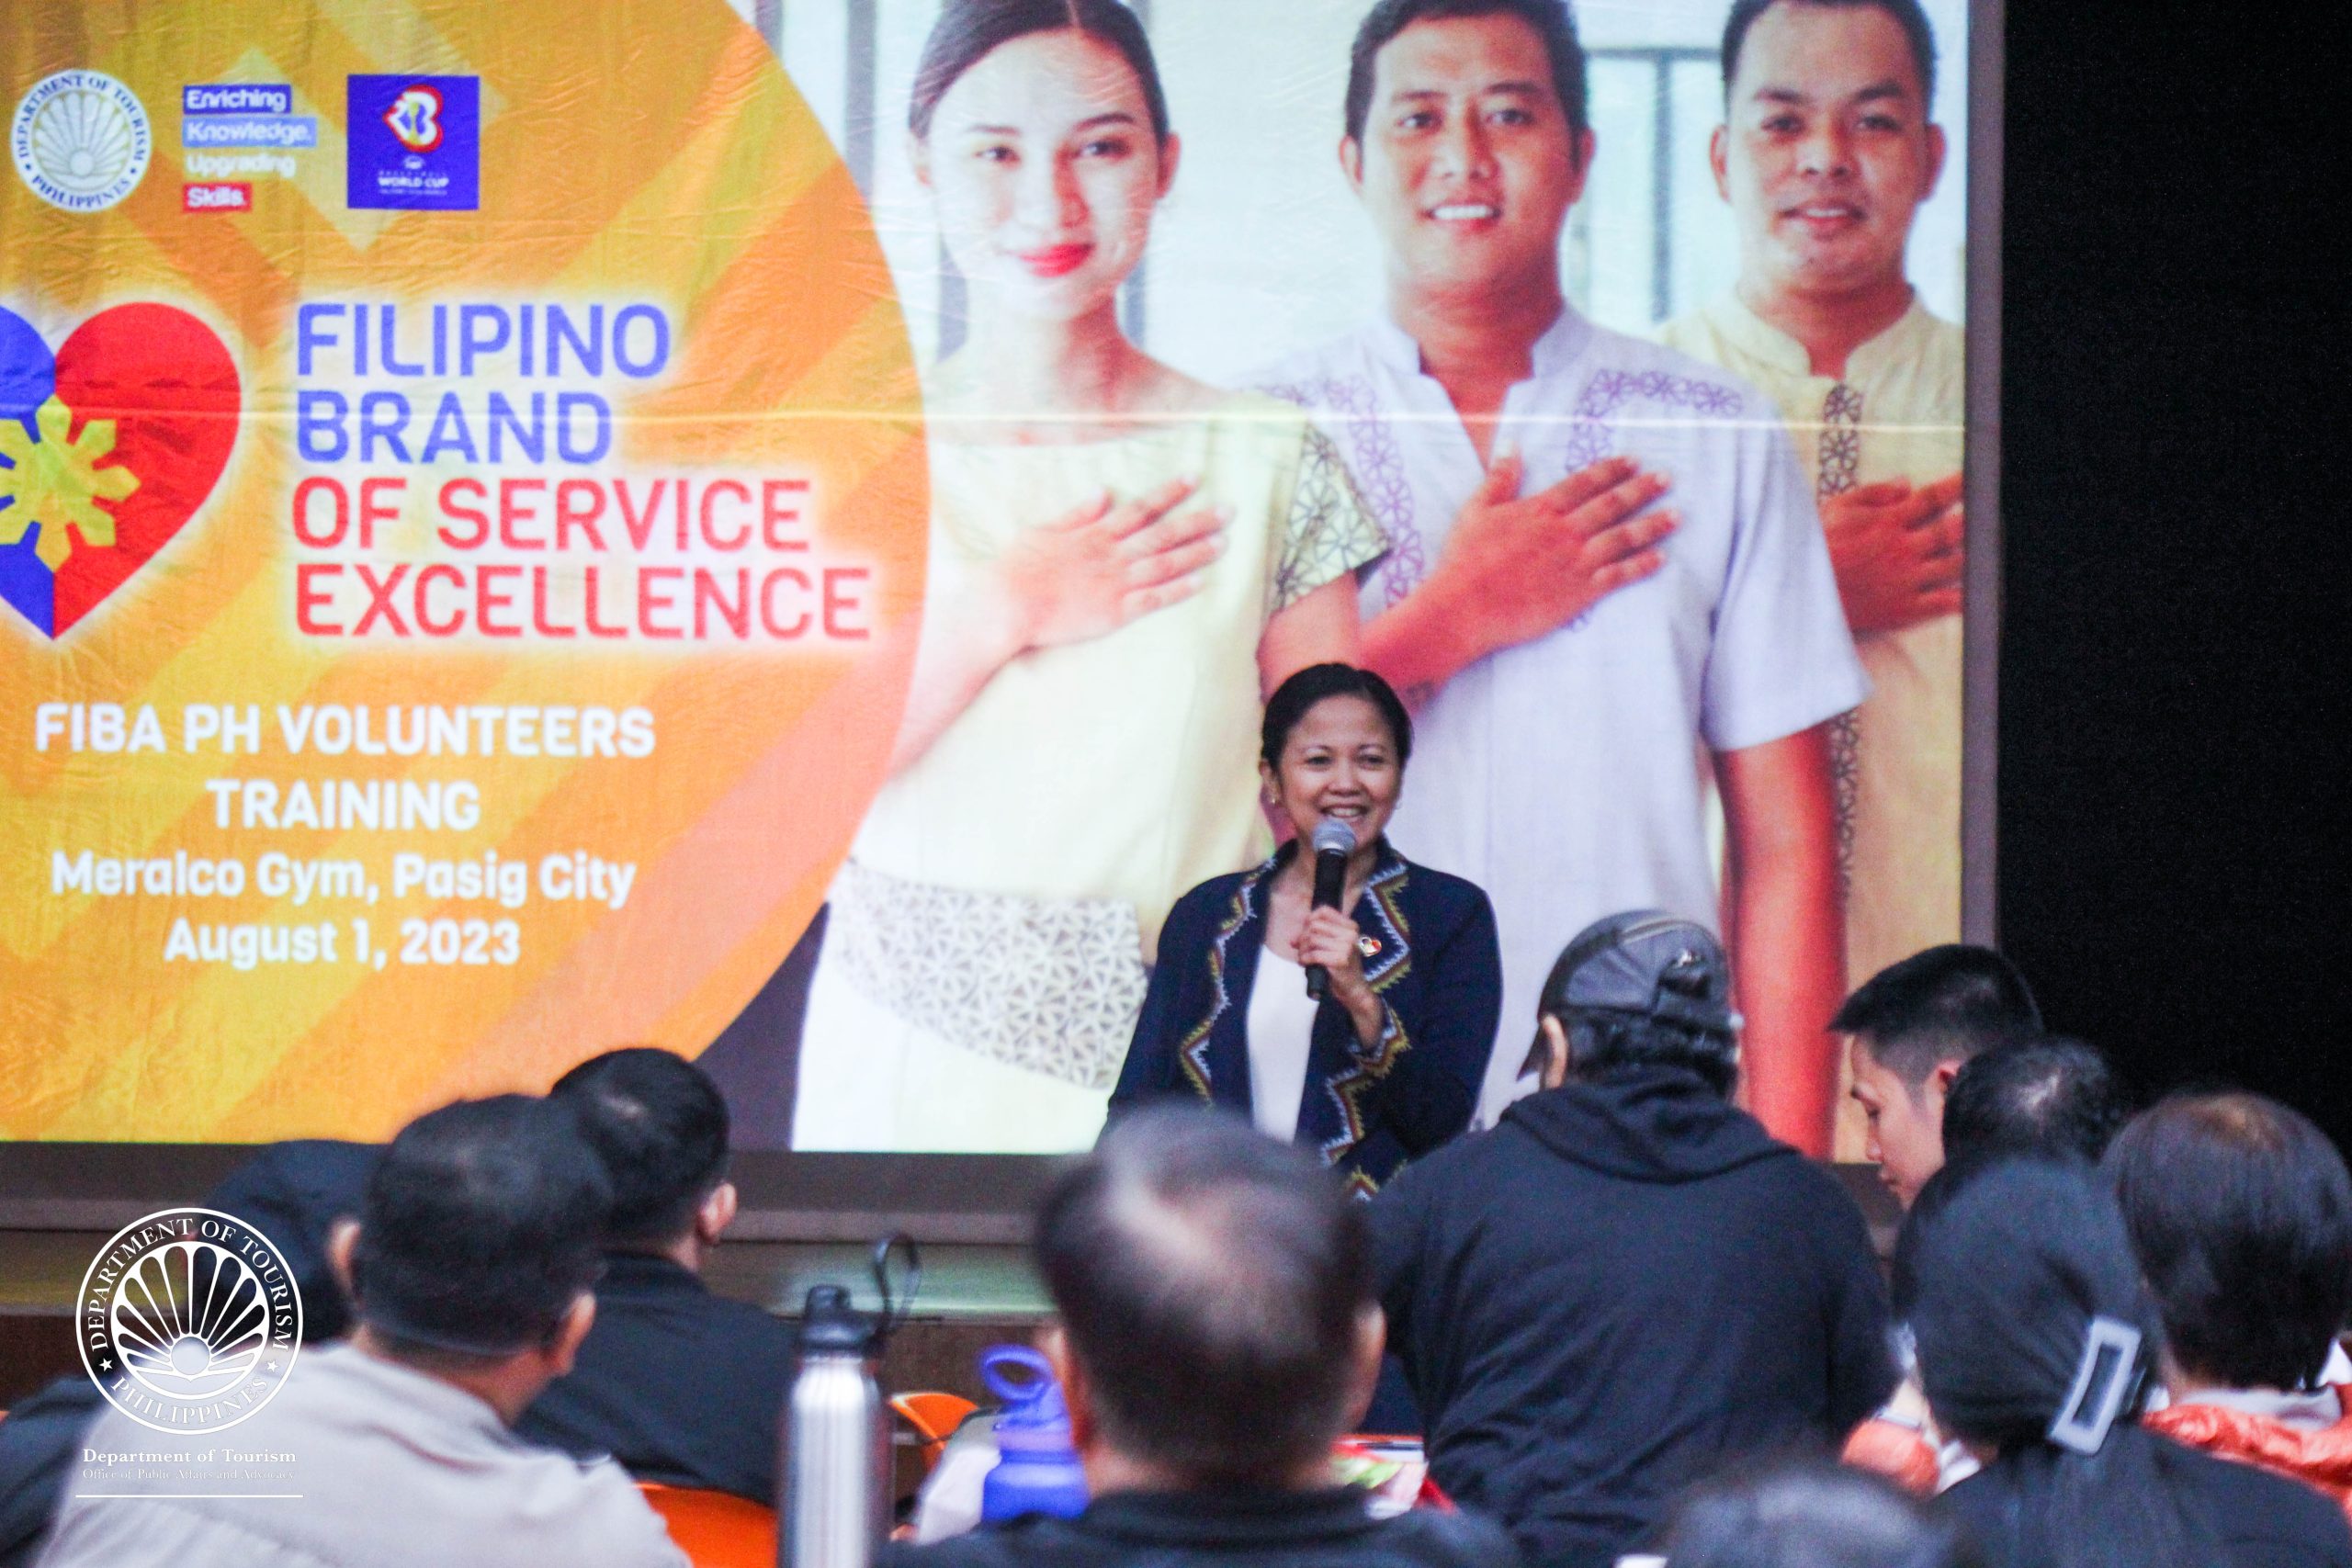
[1387, 1064]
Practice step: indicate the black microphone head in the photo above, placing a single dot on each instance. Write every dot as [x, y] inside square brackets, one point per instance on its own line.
[1333, 837]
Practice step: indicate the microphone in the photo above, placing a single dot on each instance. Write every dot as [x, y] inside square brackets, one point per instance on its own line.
[1334, 843]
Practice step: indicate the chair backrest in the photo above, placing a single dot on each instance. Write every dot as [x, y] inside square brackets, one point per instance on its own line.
[715, 1530]
[934, 1418]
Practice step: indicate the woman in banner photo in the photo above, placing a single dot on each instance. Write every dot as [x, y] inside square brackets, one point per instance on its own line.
[1387, 1065]
[1123, 560]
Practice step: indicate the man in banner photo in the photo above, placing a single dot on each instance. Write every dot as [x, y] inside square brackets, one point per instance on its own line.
[1825, 154]
[1606, 559]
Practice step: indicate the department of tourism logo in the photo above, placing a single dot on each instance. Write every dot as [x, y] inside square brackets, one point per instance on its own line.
[81, 141]
[189, 1320]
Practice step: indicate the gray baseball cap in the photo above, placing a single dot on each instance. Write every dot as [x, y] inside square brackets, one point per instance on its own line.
[1645, 963]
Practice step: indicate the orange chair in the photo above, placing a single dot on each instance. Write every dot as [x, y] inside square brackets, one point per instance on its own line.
[715, 1530]
[934, 1418]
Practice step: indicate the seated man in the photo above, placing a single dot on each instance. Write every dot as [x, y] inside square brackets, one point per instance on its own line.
[470, 1270]
[1216, 1333]
[2051, 1096]
[1627, 1282]
[2240, 1211]
[678, 1384]
[1911, 1028]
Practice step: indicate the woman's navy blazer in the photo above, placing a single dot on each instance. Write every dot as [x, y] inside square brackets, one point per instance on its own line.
[1430, 955]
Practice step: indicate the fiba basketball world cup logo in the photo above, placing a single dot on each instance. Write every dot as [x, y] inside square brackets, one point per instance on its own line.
[189, 1320]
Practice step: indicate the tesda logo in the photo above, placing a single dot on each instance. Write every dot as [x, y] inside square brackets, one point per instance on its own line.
[414, 119]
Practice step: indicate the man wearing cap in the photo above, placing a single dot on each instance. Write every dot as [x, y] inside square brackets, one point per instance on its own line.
[1627, 1282]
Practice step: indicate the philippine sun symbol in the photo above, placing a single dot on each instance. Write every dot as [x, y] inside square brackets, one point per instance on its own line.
[191, 1320]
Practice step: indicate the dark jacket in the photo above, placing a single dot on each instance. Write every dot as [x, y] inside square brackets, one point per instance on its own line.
[2263, 1520]
[40, 1444]
[679, 1384]
[1623, 1286]
[1438, 975]
[1262, 1530]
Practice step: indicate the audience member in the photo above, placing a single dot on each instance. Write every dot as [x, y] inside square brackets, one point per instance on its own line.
[1812, 1515]
[470, 1269]
[2051, 1095]
[291, 1193]
[1912, 1026]
[1216, 1331]
[2046, 1096]
[679, 1384]
[1902, 1442]
[1627, 1282]
[2240, 1211]
[2034, 1337]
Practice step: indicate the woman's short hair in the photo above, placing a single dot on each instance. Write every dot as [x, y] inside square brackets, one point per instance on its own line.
[2240, 1211]
[1813, 1514]
[968, 30]
[1294, 697]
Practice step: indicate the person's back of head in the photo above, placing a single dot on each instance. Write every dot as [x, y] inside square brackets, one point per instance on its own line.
[2035, 1338]
[2049, 1095]
[1946, 1004]
[2240, 1211]
[659, 1126]
[1812, 1515]
[1903, 1268]
[477, 1235]
[1642, 990]
[295, 1193]
[1214, 1290]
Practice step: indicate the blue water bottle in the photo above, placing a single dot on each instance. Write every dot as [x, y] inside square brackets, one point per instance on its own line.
[1037, 1469]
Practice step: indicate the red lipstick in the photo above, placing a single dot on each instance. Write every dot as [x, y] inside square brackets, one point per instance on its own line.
[1056, 261]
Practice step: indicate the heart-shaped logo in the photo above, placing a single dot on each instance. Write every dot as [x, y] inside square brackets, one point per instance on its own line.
[106, 449]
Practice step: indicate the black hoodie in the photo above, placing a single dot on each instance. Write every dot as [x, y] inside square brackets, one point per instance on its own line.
[1624, 1285]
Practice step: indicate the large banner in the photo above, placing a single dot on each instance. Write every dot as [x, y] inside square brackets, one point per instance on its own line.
[765, 530]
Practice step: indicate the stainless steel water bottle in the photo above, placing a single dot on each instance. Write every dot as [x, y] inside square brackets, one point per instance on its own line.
[836, 1436]
[836, 1446]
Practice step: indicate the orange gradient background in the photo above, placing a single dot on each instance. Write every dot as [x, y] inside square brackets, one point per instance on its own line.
[630, 151]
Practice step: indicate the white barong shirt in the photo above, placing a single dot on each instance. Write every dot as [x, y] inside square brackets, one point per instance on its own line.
[1566, 775]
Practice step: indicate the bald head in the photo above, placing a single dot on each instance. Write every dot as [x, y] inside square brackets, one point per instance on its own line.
[1213, 1285]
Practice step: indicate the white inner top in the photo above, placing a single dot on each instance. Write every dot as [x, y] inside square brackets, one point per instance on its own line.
[1281, 1029]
